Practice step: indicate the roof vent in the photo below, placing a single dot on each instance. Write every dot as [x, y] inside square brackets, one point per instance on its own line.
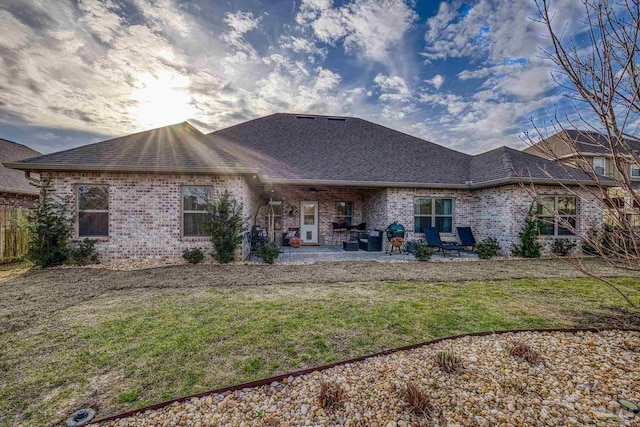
[305, 117]
[337, 119]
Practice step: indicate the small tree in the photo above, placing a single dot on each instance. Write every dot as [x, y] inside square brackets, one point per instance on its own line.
[598, 75]
[226, 224]
[49, 227]
[529, 246]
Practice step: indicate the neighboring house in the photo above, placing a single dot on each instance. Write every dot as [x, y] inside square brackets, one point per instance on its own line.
[144, 195]
[591, 152]
[15, 189]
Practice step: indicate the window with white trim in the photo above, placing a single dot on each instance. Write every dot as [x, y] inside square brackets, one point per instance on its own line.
[635, 171]
[195, 201]
[344, 212]
[430, 212]
[93, 211]
[599, 165]
[554, 213]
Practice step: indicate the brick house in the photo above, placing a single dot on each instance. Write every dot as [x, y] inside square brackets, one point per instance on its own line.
[15, 189]
[591, 151]
[144, 195]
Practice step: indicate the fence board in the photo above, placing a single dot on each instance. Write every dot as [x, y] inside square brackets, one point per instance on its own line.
[14, 236]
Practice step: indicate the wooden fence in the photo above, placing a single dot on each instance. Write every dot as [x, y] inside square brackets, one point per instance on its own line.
[14, 236]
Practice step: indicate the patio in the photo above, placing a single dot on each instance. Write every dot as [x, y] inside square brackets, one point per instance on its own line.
[311, 254]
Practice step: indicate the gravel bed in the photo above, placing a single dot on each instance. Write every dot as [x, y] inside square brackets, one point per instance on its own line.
[576, 382]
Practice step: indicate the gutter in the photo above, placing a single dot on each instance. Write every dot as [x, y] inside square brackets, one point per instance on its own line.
[285, 181]
[129, 169]
[16, 191]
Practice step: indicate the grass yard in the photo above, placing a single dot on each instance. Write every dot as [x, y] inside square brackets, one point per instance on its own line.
[116, 341]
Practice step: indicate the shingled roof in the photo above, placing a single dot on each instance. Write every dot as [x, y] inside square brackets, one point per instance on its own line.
[304, 149]
[570, 142]
[14, 181]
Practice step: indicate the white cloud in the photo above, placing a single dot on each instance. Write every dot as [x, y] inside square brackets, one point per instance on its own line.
[368, 28]
[100, 18]
[240, 23]
[15, 34]
[436, 81]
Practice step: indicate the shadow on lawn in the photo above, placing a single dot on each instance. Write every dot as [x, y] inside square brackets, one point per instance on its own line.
[611, 317]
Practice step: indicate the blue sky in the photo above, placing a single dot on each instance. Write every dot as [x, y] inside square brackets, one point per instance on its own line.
[467, 75]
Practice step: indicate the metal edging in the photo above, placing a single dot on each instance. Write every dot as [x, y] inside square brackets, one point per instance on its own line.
[266, 381]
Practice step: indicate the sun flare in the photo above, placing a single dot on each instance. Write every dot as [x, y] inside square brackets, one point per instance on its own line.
[161, 100]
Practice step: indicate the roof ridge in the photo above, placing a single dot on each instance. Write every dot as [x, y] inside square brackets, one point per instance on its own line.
[507, 162]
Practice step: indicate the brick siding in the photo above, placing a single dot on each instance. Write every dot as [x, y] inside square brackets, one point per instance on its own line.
[145, 211]
[14, 200]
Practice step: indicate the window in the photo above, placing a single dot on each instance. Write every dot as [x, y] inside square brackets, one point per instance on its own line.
[635, 171]
[433, 213]
[599, 165]
[194, 210]
[344, 212]
[93, 211]
[550, 224]
[277, 214]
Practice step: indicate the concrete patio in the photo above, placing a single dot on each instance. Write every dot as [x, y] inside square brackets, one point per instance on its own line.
[310, 254]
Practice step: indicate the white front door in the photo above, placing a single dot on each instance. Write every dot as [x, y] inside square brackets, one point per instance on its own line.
[309, 222]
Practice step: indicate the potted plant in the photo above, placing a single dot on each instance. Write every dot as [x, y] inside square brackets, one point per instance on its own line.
[397, 242]
[295, 242]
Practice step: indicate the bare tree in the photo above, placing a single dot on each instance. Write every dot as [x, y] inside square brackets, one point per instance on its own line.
[599, 76]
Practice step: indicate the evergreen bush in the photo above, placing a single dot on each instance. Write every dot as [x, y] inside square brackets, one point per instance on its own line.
[487, 248]
[83, 252]
[193, 256]
[268, 251]
[421, 251]
[562, 247]
[226, 224]
[529, 246]
[49, 227]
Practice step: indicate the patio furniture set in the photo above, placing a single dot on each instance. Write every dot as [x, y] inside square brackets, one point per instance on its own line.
[358, 239]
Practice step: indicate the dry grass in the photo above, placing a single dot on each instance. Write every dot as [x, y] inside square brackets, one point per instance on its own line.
[30, 295]
[524, 352]
[331, 395]
[117, 340]
[418, 401]
[449, 361]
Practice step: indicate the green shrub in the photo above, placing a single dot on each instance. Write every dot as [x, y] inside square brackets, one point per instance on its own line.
[193, 256]
[421, 251]
[83, 252]
[487, 248]
[268, 251]
[226, 223]
[529, 246]
[587, 247]
[562, 247]
[449, 361]
[49, 228]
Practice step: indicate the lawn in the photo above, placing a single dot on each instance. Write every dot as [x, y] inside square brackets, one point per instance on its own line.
[119, 340]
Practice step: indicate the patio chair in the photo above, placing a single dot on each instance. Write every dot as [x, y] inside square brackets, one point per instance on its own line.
[258, 237]
[370, 242]
[336, 231]
[466, 237]
[432, 235]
